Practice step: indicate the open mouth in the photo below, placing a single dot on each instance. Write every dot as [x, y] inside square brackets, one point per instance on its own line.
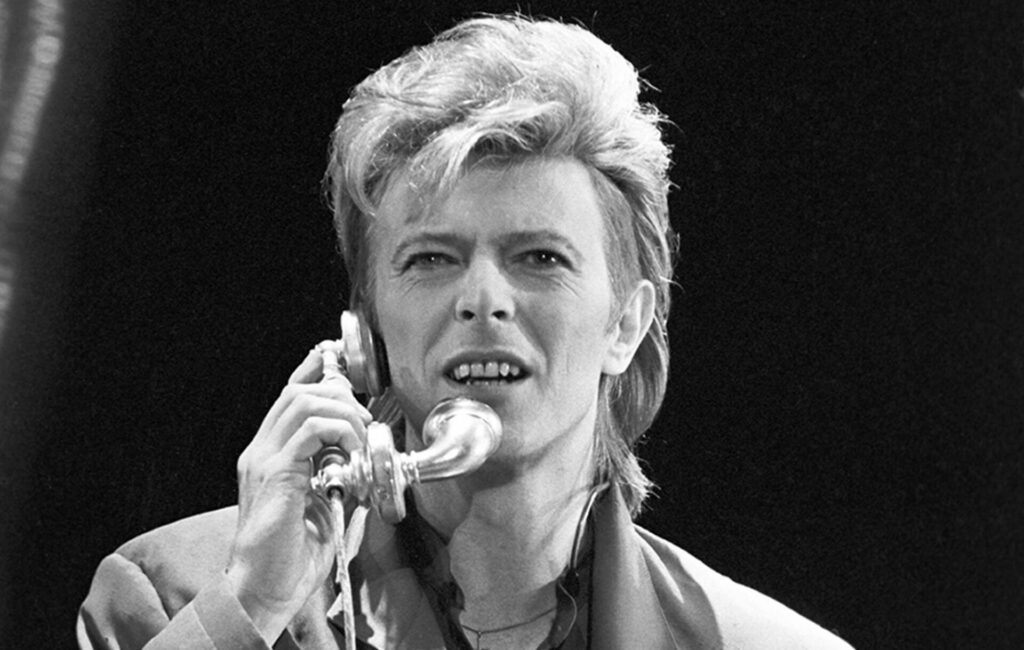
[486, 372]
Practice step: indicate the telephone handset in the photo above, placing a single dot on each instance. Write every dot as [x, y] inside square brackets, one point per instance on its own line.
[366, 363]
[459, 433]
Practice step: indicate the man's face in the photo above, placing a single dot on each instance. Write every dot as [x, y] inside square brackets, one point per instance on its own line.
[501, 294]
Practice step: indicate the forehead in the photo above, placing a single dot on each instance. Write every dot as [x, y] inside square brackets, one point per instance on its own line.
[530, 194]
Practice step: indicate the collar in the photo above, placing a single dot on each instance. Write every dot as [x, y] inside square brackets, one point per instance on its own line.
[637, 600]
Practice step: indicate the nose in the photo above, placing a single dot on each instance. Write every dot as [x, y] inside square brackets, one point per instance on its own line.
[485, 294]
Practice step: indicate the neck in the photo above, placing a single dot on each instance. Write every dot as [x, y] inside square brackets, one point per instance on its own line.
[510, 529]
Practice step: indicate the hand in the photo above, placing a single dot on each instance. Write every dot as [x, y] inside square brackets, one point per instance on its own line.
[283, 550]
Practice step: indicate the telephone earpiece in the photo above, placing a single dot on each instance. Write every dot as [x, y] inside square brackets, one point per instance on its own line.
[366, 363]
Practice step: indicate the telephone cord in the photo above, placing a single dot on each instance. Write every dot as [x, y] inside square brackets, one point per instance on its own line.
[341, 575]
[332, 371]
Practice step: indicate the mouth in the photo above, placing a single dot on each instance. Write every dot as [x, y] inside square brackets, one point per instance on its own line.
[486, 372]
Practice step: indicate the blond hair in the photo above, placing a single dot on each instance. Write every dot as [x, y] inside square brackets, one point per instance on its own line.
[502, 88]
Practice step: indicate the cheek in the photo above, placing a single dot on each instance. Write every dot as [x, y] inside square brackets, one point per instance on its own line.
[407, 323]
[399, 335]
[405, 361]
[392, 309]
[576, 331]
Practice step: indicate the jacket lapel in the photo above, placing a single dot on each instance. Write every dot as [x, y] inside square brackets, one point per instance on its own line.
[628, 609]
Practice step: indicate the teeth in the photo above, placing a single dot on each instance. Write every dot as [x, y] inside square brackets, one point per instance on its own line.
[485, 370]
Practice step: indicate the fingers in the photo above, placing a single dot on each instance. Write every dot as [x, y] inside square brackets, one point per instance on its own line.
[308, 402]
[307, 416]
[297, 401]
[293, 397]
[308, 371]
[317, 433]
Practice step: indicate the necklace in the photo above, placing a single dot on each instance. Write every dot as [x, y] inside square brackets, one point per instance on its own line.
[480, 633]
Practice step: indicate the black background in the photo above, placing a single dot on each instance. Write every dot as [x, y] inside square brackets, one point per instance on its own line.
[845, 424]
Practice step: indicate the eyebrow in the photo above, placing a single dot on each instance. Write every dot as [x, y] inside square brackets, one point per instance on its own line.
[513, 239]
[542, 236]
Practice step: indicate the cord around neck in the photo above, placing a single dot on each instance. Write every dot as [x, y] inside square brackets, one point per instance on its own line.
[506, 628]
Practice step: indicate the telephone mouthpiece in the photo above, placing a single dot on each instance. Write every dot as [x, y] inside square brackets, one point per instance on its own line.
[459, 434]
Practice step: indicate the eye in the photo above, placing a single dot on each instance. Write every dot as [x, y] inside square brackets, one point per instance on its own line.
[544, 258]
[427, 260]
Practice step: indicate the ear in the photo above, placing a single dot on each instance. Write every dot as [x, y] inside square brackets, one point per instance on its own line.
[629, 329]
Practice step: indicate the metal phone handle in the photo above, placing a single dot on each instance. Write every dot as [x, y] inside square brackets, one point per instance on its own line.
[460, 435]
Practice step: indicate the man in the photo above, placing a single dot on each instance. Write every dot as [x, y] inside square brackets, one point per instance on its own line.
[500, 200]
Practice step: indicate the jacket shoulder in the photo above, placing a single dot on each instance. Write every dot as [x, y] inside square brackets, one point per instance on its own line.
[182, 557]
[746, 618]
